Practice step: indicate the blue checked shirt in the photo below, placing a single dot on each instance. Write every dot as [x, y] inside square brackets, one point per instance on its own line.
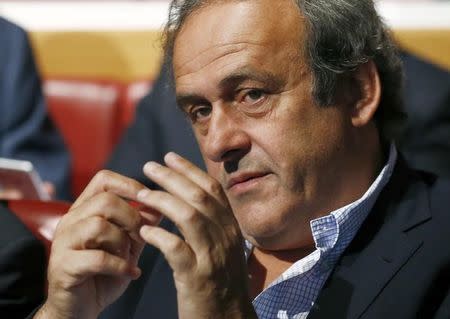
[292, 295]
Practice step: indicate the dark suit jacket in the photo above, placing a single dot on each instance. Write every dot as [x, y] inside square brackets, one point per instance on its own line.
[22, 268]
[398, 265]
[26, 131]
[425, 139]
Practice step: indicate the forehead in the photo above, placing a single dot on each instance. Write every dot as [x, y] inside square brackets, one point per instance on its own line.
[259, 28]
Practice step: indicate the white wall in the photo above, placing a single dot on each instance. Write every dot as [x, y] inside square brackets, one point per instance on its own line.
[144, 15]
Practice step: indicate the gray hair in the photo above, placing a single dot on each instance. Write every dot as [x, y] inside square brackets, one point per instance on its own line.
[341, 35]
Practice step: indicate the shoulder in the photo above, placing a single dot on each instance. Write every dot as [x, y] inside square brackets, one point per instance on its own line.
[16, 48]
[439, 199]
[11, 32]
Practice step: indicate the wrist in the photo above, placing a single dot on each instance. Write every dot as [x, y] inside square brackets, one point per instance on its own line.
[48, 311]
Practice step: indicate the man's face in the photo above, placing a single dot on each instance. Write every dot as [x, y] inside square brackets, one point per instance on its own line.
[242, 78]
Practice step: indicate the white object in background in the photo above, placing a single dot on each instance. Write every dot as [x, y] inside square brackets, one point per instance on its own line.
[21, 176]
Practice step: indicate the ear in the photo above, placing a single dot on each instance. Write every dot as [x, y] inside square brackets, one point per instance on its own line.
[370, 93]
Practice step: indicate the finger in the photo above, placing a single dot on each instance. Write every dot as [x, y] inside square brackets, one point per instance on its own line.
[182, 187]
[151, 219]
[176, 251]
[107, 181]
[49, 188]
[96, 233]
[86, 263]
[196, 175]
[193, 225]
[108, 206]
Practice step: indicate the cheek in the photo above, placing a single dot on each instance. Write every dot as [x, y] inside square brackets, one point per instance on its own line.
[301, 142]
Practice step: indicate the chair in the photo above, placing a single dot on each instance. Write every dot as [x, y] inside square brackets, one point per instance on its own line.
[40, 217]
[86, 113]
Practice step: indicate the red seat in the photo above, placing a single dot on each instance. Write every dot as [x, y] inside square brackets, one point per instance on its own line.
[86, 113]
[40, 217]
[130, 96]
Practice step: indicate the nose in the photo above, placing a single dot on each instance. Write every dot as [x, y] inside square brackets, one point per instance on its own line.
[226, 139]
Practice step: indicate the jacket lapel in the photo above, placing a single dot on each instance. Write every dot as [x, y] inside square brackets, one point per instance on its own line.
[158, 298]
[380, 249]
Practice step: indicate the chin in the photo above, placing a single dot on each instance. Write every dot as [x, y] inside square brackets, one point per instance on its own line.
[262, 230]
[265, 229]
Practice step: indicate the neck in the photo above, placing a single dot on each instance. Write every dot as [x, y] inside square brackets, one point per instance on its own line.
[265, 266]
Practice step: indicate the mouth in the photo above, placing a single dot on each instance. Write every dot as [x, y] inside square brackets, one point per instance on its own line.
[245, 181]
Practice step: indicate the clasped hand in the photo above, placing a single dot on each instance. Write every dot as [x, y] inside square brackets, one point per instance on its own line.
[98, 243]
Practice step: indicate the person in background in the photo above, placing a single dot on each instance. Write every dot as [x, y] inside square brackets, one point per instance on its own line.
[26, 131]
[22, 267]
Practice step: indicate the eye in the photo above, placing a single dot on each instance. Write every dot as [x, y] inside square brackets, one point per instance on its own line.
[199, 113]
[252, 96]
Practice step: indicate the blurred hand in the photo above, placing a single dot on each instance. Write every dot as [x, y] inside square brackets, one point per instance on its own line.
[50, 189]
[10, 193]
[208, 265]
[96, 249]
[13, 193]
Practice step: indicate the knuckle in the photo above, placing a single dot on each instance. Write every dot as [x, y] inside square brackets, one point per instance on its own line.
[98, 225]
[107, 200]
[214, 187]
[99, 261]
[190, 216]
[176, 245]
[59, 227]
[199, 196]
[102, 176]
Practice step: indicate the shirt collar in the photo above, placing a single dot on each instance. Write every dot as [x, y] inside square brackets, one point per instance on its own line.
[336, 230]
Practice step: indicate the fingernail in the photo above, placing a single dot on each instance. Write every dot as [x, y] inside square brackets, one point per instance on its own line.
[150, 167]
[143, 194]
[144, 231]
[172, 156]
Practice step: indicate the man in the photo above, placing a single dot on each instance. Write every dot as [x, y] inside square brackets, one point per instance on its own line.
[26, 131]
[291, 105]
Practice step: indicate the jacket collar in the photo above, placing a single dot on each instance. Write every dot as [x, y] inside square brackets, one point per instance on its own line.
[379, 250]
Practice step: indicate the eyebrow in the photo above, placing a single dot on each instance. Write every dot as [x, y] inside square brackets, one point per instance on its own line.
[183, 100]
[234, 79]
[231, 81]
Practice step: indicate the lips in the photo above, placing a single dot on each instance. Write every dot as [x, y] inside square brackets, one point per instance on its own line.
[243, 178]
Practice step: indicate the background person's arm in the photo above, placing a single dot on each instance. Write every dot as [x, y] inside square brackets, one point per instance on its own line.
[26, 131]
